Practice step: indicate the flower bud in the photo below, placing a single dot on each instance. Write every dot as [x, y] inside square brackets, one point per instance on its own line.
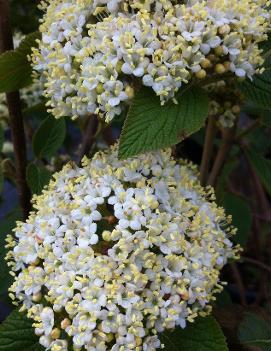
[37, 297]
[225, 29]
[219, 51]
[100, 88]
[201, 74]
[106, 235]
[206, 63]
[65, 323]
[219, 68]
[227, 65]
[55, 334]
[119, 66]
[236, 109]
[130, 92]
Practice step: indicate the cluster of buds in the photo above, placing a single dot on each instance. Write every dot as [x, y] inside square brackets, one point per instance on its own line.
[225, 103]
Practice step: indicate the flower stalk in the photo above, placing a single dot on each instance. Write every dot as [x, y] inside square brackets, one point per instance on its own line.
[207, 150]
[15, 117]
[228, 135]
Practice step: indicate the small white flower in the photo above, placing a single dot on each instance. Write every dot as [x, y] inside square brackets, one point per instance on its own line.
[59, 345]
[47, 320]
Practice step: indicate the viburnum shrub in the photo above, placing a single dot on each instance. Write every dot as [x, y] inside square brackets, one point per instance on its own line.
[137, 134]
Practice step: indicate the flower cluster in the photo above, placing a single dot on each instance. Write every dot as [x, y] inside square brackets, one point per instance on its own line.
[95, 53]
[225, 103]
[118, 251]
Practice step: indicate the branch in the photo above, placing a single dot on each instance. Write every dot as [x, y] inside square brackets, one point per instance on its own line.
[227, 141]
[257, 263]
[109, 136]
[239, 282]
[262, 207]
[255, 124]
[16, 117]
[89, 136]
[207, 150]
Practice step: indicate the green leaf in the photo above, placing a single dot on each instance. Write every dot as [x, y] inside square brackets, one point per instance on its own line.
[241, 216]
[49, 137]
[17, 334]
[37, 177]
[262, 167]
[255, 332]
[150, 126]
[266, 118]
[15, 68]
[258, 90]
[204, 334]
[223, 299]
[15, 71]
[7, 224]
[29, 42]
[38, 111]
[266, 45]
[259, 140]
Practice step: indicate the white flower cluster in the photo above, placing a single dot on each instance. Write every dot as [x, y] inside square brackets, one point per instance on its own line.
[118, 251]
[95, 53]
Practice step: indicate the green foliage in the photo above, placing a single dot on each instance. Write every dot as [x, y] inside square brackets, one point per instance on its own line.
[49, 137]
[17, 334]
[14, 71]
[38, 111]
[241, 216]
[259, 140]
[37, 177]
[266, 46]
[5, 228]
[29, 41]
[223, 299]
[204, 334]
[15, 68]
[255, 332]
[24, 15]
[266, 118]
[150, 126]
[223, 180]
[258, 90]
[262, 167]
